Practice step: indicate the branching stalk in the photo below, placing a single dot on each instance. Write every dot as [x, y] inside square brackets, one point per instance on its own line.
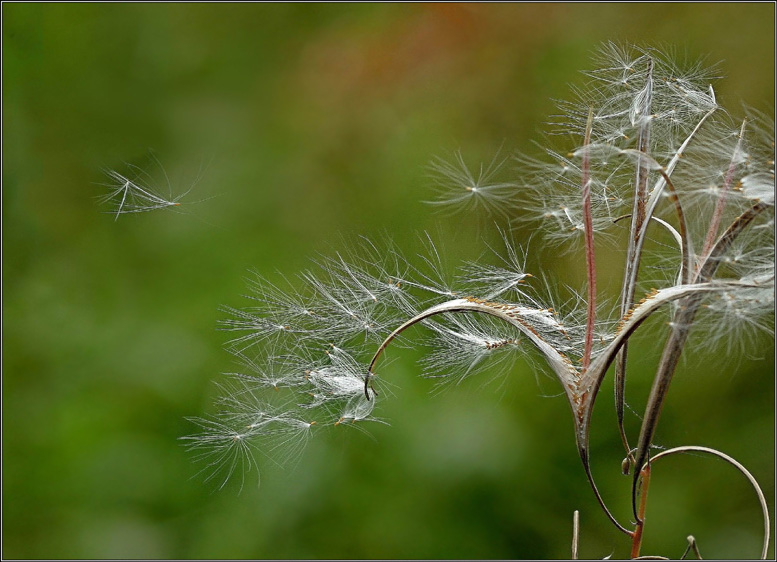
[636, 240]
[580, 388]
[316, 339]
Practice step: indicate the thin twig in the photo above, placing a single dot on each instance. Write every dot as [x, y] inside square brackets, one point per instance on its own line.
[692, 546]
[590, 259]
[742, 469]
[720, 205]
[575, 533]
[686, 249]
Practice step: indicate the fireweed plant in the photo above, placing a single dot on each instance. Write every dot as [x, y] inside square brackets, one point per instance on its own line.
[654, 152]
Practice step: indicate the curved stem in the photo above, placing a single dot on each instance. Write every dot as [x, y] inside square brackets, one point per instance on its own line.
[561, 365]
[597, 494]
[662, 222]
[738, 466]
[686, 250]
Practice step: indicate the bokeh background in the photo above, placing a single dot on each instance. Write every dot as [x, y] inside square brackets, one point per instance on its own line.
[298, 128]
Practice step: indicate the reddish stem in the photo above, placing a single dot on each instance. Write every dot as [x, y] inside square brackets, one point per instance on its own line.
[721, 203]
[636, 538]
[590, 259]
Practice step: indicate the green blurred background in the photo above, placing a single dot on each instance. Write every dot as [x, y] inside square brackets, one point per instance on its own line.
[297, 128]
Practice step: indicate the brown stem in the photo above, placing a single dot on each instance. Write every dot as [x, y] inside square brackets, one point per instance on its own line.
[712, 261]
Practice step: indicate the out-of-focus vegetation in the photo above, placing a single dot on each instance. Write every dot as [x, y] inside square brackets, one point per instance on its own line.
[298, 127]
